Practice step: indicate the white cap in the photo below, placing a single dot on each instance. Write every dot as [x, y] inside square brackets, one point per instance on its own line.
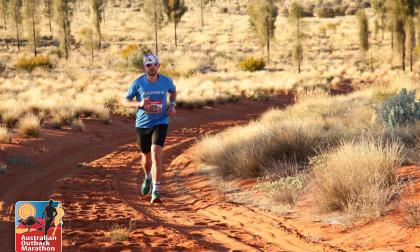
[150, 58]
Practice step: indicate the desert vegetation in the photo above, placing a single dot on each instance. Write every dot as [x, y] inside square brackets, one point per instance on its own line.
[61, 61]
[347, 148]
[88, 52]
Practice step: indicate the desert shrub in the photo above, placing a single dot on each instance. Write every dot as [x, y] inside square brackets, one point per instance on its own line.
[2, 67]
[351, 11]
[365, 4]
[252, 64]
[29, 125]
[10, 118]
[340, 10]
[111, 100]
[308, 10]
[399, 110]
[133, 55]
[325, 12]
[129, 50]
[357, 177]
[4, 134]
[78, 125]
[241, 152]
[30, 63]
[63, 115]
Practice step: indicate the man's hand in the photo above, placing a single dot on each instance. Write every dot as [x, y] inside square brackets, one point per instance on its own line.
[171, 110]
[145, 103]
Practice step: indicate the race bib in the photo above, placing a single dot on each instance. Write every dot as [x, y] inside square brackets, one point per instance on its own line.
[155, 107]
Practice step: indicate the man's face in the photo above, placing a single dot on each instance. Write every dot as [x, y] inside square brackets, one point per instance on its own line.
[151, 69]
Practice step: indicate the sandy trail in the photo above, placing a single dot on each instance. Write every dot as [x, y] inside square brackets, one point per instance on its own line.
[104, 191]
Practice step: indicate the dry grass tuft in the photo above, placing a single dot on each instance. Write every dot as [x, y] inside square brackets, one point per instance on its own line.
[358, 177]
[30, 125]
[411, 214]
[78, 125]
[4, 134]
[30, 63]
[242, 152]
[119, 232]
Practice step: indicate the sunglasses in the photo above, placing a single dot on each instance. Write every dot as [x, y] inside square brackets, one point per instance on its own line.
[149, 64]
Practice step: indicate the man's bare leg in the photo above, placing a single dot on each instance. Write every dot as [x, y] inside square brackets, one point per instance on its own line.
[157, 166]
[146, 163]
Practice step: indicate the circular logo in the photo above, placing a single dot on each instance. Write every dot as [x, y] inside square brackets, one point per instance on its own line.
[26, 210]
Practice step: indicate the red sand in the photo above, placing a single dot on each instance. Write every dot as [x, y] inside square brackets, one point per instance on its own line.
[96, 174]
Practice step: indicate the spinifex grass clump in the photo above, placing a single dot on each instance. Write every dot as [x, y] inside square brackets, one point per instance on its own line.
[30, 125]
[29, 64]
[4, 134]
[241, 152]
[358, 177]
[400, 110]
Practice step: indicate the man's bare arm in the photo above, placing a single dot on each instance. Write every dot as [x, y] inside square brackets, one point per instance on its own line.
[134, 104]
[172, 98]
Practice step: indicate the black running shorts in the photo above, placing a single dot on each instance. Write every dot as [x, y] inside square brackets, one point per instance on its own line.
[148, 136]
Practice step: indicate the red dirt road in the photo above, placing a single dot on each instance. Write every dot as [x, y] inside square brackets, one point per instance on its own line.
[97, 173]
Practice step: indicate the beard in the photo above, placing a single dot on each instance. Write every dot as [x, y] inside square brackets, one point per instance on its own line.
[152, 73]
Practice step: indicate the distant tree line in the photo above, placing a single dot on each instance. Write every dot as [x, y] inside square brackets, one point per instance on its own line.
[400, 18]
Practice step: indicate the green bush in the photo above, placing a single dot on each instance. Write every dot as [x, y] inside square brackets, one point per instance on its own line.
[252, 64]
[29, 64]
[284, 190]
[399, 110]
[133, 55]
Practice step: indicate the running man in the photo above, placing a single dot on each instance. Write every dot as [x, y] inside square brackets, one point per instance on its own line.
[50, 213]
[150, 90]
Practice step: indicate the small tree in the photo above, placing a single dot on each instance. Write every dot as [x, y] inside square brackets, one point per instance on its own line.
[363, 33]
[203, 4]
[4, 4]
[154, 10]
[31, 22]
[62, 16]
[48, 12]
[262, 16]
[402, 12]
[89, 42]
[97, 9]
[411, 32]
[379, 7]
[295, 15]
[174, 10]
[15, 7]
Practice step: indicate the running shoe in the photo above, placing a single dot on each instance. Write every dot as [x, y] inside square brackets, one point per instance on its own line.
[145, 187]
[155, 198]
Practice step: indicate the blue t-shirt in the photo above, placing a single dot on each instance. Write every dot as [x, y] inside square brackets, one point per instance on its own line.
[157, 92]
